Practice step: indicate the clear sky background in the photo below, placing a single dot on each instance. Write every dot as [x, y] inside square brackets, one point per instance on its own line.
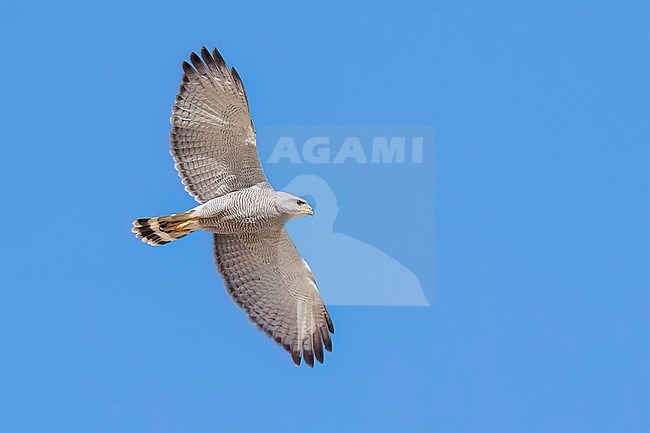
[540, 317]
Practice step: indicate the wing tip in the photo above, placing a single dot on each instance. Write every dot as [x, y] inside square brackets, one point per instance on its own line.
[216, 55]
[208, 59]
[197, 62]
[318, 347]
[330, 324]
[187, 68]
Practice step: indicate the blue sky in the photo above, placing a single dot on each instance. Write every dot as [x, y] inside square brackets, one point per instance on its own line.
[539, 206]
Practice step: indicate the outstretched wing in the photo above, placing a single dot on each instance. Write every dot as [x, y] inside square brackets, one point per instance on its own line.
[266, 276]
[212, 138]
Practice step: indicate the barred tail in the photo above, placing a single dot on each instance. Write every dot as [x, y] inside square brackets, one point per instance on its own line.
[162, 230]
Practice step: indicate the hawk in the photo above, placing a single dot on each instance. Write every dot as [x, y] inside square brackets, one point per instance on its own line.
[215, 153]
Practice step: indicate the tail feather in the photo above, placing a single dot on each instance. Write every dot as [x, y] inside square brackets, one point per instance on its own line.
[162, 230]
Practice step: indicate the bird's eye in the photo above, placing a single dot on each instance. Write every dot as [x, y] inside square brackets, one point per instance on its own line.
[300, 202]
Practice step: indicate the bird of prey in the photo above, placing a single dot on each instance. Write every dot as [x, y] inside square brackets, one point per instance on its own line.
[215, 153]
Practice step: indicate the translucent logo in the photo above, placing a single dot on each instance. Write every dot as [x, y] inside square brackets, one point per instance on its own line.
[371, 239]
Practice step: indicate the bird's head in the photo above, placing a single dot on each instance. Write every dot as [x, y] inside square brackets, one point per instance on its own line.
[291, 206]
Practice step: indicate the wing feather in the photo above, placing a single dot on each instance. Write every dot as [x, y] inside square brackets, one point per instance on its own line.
[213, 139]
[265, 276]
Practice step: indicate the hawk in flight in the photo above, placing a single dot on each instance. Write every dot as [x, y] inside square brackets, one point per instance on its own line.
[215, 153]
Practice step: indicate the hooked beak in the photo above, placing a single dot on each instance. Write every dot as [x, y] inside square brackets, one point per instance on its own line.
[310, 212]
